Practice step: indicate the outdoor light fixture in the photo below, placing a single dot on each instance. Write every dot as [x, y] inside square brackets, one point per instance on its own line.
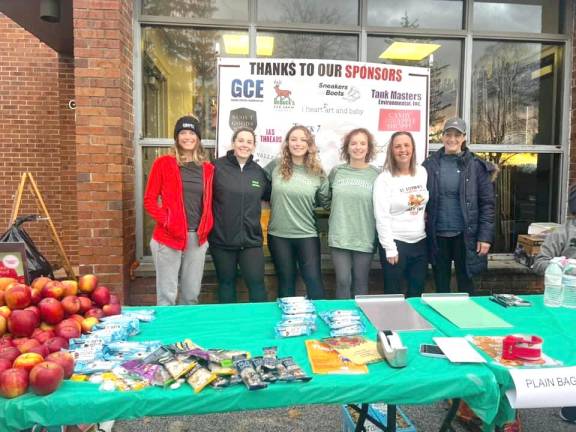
[408, 51]
[50, 10]
[238, 44]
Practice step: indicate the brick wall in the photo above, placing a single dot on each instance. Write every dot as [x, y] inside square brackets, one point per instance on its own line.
[104, 149]
[36, 133]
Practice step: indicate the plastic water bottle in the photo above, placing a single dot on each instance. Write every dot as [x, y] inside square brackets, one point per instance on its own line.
[569, 284]
[553, 282]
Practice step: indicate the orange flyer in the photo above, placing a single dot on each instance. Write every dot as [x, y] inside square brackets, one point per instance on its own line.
[325, 360]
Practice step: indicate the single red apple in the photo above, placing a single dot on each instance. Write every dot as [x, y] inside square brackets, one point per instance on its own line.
[112, 309]
[17, 296]
[9, 353]
[85, 304]
[51, 310]
[87, 283]
[39, 282]
[70, 287]
[77, 317]
[64, 359]
[53, 289]
[40, 349]
[95, 312]
[71, 304]
[56, 344]
[13, 382]
[46, 377]
[42, 335]
[29, 344]
[27, 361]
[22, 323]
[101, 296]
[69, 332]
[34, 309]
[68, 322]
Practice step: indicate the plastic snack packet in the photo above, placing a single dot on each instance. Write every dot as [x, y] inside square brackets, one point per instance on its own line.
[266, 375]
[295, 370]
[177, 366]
[249, 376]
[199, 377]
[269, 358]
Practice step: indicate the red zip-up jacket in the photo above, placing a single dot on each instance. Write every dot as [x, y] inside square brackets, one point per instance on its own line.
[170, 215]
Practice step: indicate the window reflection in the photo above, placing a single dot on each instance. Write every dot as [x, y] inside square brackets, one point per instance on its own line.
[309, 11]
[515, 93]
[447, 14]
[444, 63]
[526, 192]
[219, 9]
[310, 46]
[530, 16]
[179, 76]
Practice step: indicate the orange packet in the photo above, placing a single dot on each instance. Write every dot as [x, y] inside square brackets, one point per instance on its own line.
[325, 360]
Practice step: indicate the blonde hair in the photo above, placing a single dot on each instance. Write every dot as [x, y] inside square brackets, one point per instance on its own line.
[199, 154]
[311, 160]
[390, 163]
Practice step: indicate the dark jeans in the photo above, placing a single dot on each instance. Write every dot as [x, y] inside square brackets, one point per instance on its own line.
[451, 249]
[411, 267]
[251, 262]
[286, 253]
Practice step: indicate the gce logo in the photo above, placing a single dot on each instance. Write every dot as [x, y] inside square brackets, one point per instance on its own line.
[249, 89]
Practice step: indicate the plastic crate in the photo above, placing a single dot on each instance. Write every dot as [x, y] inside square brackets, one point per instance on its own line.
[380, 413]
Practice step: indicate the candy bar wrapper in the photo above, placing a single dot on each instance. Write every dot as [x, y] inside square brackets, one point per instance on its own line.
[269, 358]
[219, 370]
[144, 315]
[226, 357]
[249, 376]
[267, 376]
[146, 371]
[93, 367]
[199, 377]
[291, 330]
[182, 347]
[220, 382]
[156, 355]
[295, 370]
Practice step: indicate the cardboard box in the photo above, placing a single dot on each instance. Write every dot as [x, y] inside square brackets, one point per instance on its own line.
[530, 243]
[380, 413]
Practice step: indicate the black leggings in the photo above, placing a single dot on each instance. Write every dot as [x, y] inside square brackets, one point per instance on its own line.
[286, 252]
[411, 267]
[451, 249]
[251, 262]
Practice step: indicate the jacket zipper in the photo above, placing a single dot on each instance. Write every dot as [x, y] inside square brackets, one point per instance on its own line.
[242, 207]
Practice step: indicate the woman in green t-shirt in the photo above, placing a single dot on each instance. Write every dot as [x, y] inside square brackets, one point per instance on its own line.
[352, 231]
[299, 184]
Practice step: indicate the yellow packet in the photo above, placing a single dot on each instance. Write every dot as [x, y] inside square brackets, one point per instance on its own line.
[325, 360]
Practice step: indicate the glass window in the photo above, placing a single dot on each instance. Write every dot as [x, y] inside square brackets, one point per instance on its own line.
[445, 14]
[515, 93]
[307, 45]
[309, 11]
[149, 155]
[218, 9]
[179, 76]
[526, 192]
[529, 16]
[442, 56]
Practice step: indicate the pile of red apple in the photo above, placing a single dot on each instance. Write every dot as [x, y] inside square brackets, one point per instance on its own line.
[37, 321]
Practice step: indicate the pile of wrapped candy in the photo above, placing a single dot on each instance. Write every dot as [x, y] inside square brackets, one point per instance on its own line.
[343, 322]
[298, 317]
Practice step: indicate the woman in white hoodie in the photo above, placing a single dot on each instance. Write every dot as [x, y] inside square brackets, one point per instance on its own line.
[400, 198]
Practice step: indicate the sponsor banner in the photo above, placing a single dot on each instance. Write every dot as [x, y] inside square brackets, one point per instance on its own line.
[330, 97]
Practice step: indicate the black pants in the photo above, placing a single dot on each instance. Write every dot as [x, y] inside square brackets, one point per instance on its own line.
[451, 249]
[286, 252]
[251, 262]
[411, 267]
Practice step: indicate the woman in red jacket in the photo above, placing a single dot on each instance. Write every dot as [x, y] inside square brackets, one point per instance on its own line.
[183, 183]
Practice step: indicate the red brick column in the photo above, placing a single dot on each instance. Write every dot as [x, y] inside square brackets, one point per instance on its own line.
[104, 138]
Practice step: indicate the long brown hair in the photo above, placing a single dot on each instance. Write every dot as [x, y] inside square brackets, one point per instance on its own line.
[311, 160]
[390, 163]
[370, 154]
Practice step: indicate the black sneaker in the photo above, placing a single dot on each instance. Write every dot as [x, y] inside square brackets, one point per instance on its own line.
[568, 414]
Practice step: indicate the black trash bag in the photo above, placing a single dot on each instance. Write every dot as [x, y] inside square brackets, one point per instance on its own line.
[37, 264]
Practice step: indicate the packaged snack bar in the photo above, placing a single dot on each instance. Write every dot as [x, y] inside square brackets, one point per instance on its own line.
[295, 370]
[266, 375]
[177, 366]
[199, 377]
[249, 376]
[269, 358]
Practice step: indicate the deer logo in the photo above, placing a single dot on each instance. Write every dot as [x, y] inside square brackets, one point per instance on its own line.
[282, 96]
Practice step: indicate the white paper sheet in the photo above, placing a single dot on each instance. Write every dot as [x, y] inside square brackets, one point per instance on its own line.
[458, 350]
[543, 387]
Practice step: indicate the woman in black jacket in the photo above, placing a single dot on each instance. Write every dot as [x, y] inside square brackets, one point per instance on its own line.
[460, 211]
[240, 185]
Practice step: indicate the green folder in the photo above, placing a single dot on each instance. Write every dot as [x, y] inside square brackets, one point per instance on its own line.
[465, 313]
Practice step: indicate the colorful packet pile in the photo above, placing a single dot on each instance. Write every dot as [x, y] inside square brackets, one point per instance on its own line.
[343, 322]
[298, 317]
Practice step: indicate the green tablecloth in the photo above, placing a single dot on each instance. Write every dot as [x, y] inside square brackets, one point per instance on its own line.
[557, 326]
[250, 327]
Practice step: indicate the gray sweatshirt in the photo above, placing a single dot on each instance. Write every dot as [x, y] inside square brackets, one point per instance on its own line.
[561, 242]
